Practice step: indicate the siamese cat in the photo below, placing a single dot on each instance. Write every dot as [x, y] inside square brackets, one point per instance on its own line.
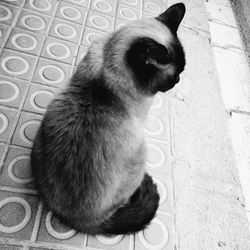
[88, 157]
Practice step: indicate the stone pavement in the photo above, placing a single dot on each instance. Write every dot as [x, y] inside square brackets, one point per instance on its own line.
[234, 76]
[187, 132]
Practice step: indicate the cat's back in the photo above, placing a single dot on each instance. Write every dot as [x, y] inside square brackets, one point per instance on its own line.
[86, 114]
[86, 136]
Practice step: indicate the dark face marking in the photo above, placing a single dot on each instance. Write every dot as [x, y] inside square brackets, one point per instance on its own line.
[155, 67]
[139, 55]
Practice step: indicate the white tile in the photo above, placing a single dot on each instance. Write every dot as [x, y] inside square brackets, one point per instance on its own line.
[243, 165]
[234, 78]
[248, 217]
[225, 36]
[240, 134]
[220, 14]
[221, 2]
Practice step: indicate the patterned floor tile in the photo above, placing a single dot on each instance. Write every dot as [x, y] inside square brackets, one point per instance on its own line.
[157, 236]
[53, 232]
[38, 98]
[164, 187]
[128, 13]
[17, 214]
[81, 53]
[33, 21]
[10, 247]
[14, 2]
[7, 119]
[117, 242]
[68, 31]
[26, 129]
[45, 6]
[59, 50]
[107, 7]
[100, 21]
[132, 3]
[3, 34]
[2, 148]
[71, 13]
[12, 91]
[7, 13]
[153, 7]
[16, 170]
[158, 158]
[25, 41]
[82, 3]
[90, 35]
[17, 64]
[51, 73]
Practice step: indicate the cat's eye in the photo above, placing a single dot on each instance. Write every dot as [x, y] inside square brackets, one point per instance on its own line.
[158, 53]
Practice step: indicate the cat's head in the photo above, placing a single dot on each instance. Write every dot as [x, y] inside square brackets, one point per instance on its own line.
[158, 59]
[152, 51]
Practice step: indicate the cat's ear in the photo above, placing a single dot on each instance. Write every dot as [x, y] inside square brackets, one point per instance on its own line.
[173, 16]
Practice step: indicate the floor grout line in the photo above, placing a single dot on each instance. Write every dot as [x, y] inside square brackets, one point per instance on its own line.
[37, 222]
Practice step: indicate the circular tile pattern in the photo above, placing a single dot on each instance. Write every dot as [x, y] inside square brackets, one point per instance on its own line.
[90, 37]
[51, 74]
[131, 2]
[128, 14]
[9, 91]
[70, 13]
[82, 53]
[161, 189]
[58, 50]
[120, 25]
[78, 1]
[156, 157]
[20, 166]
[33, 22]
[153, 125]
[24, 41]
[5, 13]
[103, 6]
[148, 239]
[99, 22]
[15, 65]
[44, 5]
[110, 240]
[40, 99]
[26, 219]
[28, 131]
[158, 102]
[4, 122]
[65, 31]
[54, 233]
[153, 7]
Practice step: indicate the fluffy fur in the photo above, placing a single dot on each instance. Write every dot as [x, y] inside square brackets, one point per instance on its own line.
[88, 157]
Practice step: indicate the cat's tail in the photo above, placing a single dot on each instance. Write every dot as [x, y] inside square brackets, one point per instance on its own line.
[137, 214]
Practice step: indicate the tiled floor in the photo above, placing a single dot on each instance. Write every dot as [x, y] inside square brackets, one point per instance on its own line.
[41, 41]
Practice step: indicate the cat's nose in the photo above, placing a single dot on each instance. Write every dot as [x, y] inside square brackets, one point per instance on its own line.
[177, 79]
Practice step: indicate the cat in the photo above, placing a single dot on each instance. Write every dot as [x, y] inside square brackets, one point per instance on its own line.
[88, 156]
